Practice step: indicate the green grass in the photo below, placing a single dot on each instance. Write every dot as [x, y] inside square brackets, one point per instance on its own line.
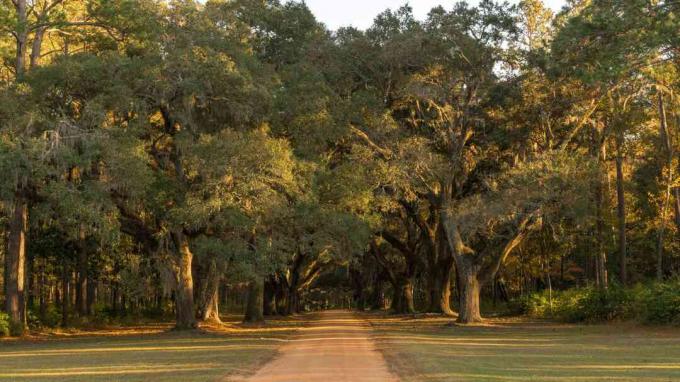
[156, 354]
[431, 350]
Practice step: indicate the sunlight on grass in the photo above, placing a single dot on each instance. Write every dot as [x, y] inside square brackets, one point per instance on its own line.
[431, 349]
[140, 355]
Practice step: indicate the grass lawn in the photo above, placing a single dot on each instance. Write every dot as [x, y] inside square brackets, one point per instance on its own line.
[143, 354]
[510, 350]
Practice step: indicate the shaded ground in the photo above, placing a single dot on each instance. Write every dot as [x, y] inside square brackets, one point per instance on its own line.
[510, 350]
[143, 354]
[337, 346]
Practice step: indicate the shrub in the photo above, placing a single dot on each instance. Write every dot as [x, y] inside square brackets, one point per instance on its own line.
[4, 324]
[579, 305]
[657, 303]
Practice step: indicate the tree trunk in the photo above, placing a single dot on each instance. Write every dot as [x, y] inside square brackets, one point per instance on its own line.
[81, 282]
[666, 140]
[445, 295]
[91, 296]
[21, 37]
[601, 276]
[65, 294]
[270, 288]
[470, 288]
[282, 300]
[211, 310]
[621, 215]
[377, 297]
[184, 300]
[440, 295]
[42, 285]
[210, 303]
[403, 297]
[293, 301]
[15, 267]
[209, 297]
[255, 304]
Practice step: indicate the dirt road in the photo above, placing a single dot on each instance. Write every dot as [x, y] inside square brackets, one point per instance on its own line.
[336, 348]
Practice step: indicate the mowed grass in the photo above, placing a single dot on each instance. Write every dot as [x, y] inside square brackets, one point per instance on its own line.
[510, 350]
[144, 354]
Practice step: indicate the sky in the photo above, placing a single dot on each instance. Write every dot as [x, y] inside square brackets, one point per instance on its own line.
[360, 13]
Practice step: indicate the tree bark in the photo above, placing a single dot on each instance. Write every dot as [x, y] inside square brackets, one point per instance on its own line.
[91, 295]
[184, 299]
[602, 279]
[402, 302]
[21, 37]
[210, 294]
[666, 140]
[470, 288]
[282, 300]
[15, 267]
[65, 293]
[81, 282]
[255, 305]
[270, 288]
[621, 214]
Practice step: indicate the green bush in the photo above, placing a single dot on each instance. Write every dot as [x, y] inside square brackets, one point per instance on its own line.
[51, 318]
[657, 303]
[581, 305]
[4, 324]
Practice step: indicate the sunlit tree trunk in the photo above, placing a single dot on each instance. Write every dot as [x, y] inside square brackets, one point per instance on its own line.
[666, 140]
[210, 294]
[184, 298]
[621, 213]
[15, 268]
[470, 288]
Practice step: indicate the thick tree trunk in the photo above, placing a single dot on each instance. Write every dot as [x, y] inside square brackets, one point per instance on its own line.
[282, 300]
[470, 288]
[293, 301]
[15, 267]
[377, 297]
[184, 300]
[210, 305]
[209, 296]
[270, 289]
[621, 215]
[402, 302]
[445, 295]
[211, 310]
[440, 294]
[255, 305]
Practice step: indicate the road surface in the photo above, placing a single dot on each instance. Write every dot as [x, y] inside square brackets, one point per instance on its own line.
[337, 347]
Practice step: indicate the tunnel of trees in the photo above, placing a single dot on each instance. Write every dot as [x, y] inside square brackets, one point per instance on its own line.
[175, 158]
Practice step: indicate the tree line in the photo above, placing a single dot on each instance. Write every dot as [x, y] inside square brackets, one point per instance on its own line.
[155, 152]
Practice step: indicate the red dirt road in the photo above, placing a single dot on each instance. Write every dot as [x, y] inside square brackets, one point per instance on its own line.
[336, 348]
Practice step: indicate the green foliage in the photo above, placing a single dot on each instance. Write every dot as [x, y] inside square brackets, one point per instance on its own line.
[4, 324]
[655, 303]
[579, 305]
[658, 303]
[51, 318]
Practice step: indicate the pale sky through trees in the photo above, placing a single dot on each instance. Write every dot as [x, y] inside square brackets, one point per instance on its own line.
[360, 13]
